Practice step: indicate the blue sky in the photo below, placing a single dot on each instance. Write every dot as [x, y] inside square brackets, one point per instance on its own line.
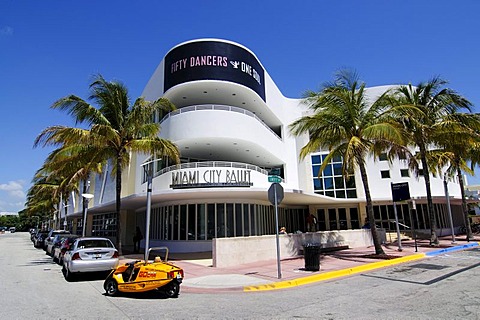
[50, 49]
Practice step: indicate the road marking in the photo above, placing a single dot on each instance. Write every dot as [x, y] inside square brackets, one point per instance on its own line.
[333, 274]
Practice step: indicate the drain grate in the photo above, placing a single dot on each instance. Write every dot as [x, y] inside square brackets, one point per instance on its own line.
[428, 266]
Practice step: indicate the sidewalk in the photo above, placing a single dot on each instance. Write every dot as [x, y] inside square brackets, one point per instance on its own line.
[201, 277]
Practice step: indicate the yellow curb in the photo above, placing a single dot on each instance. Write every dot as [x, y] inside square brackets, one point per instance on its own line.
[332, 274]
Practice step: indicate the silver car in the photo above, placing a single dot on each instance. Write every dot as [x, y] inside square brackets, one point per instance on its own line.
[89, 254]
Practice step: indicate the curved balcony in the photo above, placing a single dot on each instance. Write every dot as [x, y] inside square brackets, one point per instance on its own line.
[215, 107]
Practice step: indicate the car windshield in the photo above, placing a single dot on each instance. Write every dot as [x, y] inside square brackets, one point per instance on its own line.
[94, 243]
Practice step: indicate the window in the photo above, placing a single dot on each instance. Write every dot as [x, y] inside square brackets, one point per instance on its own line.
[385, 174]
[383, 157]
[95, 244]
[405, 173]
[331, 181]
[104, 225]
[354, 218]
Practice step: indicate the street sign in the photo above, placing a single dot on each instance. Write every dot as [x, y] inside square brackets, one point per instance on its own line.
[400, 191]
[274, 179]
[274, 172]
[275, 193]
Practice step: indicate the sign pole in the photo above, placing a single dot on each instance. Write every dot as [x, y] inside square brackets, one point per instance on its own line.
[149, 171]
[279, 272]
[399, 240]
[400, 192]
[275, 196]
[449, 210]
[413, 215]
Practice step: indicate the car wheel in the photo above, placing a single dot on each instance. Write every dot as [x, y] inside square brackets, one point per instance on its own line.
[172, 289]
[67, 274]
[111, 287]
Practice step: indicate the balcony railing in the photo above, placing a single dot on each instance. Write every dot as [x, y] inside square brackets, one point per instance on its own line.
[217, 107]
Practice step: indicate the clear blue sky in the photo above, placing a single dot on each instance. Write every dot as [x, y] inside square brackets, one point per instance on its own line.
[49, 49]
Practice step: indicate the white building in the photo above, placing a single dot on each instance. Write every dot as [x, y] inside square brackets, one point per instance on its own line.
[231, 127]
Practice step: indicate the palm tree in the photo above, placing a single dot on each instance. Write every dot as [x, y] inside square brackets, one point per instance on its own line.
[116, 129]
[460, 142]
[348, 125]
[42, 196]
[427, 113]
[39, 204]
[70, 165]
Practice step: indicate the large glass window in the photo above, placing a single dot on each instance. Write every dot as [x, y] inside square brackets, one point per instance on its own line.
[205, 221]
[211, 221]
[332, 217]
[331, 181]
[238, 220]
[342, 218]
[191, 222]
[201, 226]
[183, 222]
[230, 219]
[321, 220]
[221, 223]
[354, 221]
[104, 225]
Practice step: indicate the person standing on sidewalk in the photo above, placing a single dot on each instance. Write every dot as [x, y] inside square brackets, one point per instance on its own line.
[137, 237]
[311, 223]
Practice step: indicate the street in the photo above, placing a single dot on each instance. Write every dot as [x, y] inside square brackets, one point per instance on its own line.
[442, 287]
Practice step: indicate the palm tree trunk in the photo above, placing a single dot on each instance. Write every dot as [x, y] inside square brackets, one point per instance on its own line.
[118, 204]
[464, 204]
[371, 217]
[431, 212]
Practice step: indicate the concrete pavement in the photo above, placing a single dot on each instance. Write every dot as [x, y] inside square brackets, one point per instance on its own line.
[201, 276]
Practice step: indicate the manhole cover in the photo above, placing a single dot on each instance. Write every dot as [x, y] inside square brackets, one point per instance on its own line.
[428, 266]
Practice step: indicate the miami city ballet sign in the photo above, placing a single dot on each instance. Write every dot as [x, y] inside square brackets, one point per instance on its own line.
[212, 60]
[210, 178]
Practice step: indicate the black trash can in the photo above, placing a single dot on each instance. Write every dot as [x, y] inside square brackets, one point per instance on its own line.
[311, 254]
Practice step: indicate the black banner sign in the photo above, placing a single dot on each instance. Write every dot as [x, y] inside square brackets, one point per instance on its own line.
[212, 60]
[400, 192]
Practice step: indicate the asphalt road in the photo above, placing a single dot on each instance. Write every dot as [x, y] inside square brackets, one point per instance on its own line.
[442, 287]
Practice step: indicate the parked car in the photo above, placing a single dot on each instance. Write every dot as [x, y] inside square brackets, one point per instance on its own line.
[48, 247]
[65, 244]
[89, 254]
[33, 233]
[12, 229]
[33, 236]
[40, 239]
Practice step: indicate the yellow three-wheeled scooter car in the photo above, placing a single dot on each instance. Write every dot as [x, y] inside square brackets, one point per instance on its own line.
[141, 276]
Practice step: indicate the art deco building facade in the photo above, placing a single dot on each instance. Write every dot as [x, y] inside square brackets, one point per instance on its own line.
[231, 128]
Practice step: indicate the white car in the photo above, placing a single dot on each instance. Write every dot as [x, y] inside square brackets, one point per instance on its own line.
[89, 254]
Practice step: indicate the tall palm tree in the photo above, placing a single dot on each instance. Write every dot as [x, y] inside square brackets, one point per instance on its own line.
[116, 129]
[40, 202]
[460, 142]
[344, 122]
[429, 107]
[70, 165]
